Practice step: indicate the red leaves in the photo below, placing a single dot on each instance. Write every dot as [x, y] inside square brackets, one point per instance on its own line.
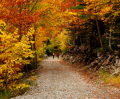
[16, 12]
[67, 4]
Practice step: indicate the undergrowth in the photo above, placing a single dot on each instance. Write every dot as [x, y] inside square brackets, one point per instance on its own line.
[5, 95]
[26, 82]
[21, 89]
[107, 78]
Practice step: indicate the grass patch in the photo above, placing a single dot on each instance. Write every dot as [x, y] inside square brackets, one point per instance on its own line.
[4, 95]
[107, 78]
[115, 80]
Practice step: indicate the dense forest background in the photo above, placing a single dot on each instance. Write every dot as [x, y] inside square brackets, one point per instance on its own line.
[83, 31]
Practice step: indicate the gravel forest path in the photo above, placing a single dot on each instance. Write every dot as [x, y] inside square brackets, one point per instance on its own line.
[58, 81]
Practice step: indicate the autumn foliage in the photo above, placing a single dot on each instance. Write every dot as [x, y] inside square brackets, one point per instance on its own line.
[14, 55]
[30, 27]
[16, 31]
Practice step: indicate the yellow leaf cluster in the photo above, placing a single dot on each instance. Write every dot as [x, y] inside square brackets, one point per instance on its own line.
[14, 54]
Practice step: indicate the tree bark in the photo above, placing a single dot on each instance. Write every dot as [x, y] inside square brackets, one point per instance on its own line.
[89, 47]
[110, 40]
[98, 28]
[35, 54]
[73, 40]
[80, 39]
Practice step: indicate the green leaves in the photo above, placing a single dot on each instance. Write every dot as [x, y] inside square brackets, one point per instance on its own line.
[83, 16]
[78, 7]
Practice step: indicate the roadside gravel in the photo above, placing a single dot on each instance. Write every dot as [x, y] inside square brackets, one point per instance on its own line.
[58, 81]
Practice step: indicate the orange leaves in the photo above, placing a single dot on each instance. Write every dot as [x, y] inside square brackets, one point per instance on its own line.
[70, 46]
[41, 35]
[20, 2]
[17, 13]
[106, 9]
[67, 4]
[89, 1]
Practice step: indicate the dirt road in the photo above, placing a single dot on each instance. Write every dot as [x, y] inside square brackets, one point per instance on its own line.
[58, 81]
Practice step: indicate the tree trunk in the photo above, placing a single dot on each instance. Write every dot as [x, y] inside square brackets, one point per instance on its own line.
[73, 40]
[35, 54]
[98, 28]
[6, 81]
[89, 42]
[68, 40]
[110, 39]
[80, 39]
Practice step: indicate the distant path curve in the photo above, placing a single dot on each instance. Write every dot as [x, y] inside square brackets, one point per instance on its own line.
[58, 81]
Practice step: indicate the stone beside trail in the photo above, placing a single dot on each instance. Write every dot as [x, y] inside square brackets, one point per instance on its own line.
[58, 81]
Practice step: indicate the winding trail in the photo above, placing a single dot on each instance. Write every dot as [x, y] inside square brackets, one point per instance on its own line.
[58, 81]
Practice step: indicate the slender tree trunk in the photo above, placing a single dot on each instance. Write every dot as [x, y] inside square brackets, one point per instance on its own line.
[68, 39]
[6, 80]
[98, 28]
[89, 47]
[35, 54]
[43, 50]
[34, 5]
[110, 40]
[80, 39]
[69, 42]
[73, 40]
